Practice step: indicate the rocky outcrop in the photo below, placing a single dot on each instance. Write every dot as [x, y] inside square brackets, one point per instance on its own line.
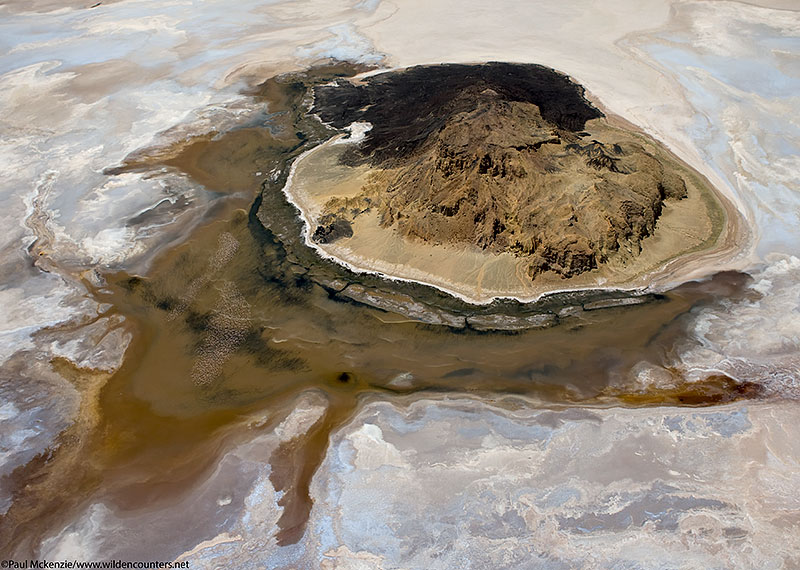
[331, 229]
[502, 168]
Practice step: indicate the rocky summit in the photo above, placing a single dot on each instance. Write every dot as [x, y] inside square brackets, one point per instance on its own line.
[506, 157]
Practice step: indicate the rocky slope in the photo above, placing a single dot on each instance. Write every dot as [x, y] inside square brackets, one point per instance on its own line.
[490, 158]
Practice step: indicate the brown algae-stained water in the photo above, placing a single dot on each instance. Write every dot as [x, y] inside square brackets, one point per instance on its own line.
[242, 318]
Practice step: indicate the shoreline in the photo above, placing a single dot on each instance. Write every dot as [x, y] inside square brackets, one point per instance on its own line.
[728, 246]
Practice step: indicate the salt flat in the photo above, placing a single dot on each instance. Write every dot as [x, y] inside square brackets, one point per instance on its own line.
[82, 88]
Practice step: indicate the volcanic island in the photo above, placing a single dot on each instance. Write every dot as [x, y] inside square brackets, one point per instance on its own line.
[498, 180]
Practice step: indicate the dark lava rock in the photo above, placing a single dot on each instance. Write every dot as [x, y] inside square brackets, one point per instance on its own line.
[405, 107]
[329, 233]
